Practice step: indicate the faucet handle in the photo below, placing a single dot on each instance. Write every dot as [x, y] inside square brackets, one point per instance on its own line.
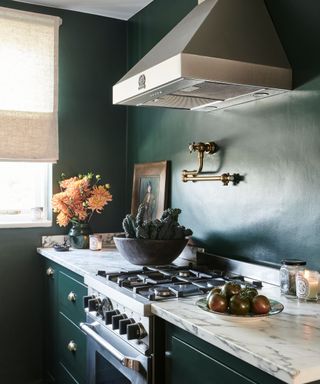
[192, 147]
[208, 148]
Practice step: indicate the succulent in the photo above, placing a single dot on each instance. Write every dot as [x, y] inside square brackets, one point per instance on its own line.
[167, 228]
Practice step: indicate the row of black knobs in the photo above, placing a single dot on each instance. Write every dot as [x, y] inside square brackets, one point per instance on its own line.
[115, 318]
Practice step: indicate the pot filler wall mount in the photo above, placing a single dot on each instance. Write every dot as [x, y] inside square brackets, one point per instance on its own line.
[197, 175]
[223, 53]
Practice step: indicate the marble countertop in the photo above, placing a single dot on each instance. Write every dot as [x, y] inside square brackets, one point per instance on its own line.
[286, 345]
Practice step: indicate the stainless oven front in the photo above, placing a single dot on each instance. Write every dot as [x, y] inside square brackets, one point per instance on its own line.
[111, 360]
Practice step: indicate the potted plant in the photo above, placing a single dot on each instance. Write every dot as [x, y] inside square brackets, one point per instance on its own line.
[152, 242]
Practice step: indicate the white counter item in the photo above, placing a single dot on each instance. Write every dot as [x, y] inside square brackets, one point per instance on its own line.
[288, 272]
[95, 242]
[36, 213]
[307, 283]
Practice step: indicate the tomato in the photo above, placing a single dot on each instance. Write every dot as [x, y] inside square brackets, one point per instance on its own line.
[213, 290]
[239, 305]
[231, 289]
[260, 305]
[250, 293]
[217, 302]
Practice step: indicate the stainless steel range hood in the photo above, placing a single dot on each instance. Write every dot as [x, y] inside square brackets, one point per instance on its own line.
[223, 53]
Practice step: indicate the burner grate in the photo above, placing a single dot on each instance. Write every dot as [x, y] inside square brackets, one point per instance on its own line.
[170, 281]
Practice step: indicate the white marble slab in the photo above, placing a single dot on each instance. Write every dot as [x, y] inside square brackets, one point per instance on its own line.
[286, 345]
[86, 262]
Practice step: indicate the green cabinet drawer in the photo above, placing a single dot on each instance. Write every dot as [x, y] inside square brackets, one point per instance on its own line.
[185, 351]
[192, 366]
[71, 294]
[65, 377]
[74, 360]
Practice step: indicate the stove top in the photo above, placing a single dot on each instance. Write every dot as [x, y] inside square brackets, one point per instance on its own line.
[171, 281]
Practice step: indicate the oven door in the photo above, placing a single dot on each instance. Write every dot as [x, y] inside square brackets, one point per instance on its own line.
[111, 360]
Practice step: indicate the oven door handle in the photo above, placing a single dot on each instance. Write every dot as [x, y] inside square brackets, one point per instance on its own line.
[126, 361]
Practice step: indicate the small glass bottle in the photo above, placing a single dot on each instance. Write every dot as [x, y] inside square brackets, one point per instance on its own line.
[288, 272]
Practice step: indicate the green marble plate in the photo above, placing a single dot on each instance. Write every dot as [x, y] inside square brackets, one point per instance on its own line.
[276, 308]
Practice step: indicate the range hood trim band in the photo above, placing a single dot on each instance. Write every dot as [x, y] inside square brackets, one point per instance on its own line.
[179, 69]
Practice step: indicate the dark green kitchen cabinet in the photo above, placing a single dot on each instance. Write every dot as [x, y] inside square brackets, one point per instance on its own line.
[190, 360]
[64, 342]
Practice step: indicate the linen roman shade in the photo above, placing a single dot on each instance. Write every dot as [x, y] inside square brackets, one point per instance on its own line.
[28, 86]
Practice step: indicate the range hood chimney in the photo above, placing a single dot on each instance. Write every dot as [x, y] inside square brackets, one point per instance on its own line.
[223, 53]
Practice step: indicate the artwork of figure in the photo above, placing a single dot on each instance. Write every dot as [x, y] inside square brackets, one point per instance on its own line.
[149, 202]
[149, 196]
[150, 188]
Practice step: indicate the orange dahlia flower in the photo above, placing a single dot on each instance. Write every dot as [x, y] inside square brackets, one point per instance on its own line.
[79, 198]
[100, 197]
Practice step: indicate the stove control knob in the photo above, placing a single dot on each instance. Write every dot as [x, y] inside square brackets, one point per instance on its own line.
[109, 314]
[136, 331]
[106, 306]
[93, 304]
[123, 325]
[86, 300]
[116, 319]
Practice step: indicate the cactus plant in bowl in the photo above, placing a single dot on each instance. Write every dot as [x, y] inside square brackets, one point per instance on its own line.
[156, 242]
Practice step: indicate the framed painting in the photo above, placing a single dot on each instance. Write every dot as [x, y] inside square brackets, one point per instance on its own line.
[150, 188]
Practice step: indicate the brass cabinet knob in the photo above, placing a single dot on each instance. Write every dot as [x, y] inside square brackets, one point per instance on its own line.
[72, 346]
[72, 297]
[50, 272]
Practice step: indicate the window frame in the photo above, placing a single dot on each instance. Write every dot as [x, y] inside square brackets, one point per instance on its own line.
[46, 220]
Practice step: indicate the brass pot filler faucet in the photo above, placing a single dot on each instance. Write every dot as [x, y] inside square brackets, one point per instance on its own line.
[208, 148]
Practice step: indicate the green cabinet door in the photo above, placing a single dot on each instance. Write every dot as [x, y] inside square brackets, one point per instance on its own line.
[72, 348]
[190, 366]
[71, 293]
[190, 360]
[63, 311]
[64, 376]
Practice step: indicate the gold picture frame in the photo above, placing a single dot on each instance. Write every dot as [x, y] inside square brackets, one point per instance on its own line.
[150, 186]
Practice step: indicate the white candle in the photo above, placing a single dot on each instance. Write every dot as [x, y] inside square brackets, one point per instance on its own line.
[307, 283]
[95, 242]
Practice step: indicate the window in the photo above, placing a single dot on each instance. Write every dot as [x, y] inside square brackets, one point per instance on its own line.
[28, 115]
[25, 194]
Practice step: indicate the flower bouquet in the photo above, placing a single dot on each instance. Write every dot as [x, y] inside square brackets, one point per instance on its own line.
[80, 197]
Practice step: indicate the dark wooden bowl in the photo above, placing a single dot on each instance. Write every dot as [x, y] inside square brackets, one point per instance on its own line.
[149, 252]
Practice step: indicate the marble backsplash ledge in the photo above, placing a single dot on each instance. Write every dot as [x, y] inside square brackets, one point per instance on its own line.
[107, 240]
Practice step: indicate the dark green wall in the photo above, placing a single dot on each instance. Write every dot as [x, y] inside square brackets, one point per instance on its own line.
[274, 143]
[92, 137]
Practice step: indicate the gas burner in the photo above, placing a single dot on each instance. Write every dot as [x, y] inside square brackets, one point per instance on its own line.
[162, 292]
[184, 273]
[235, 278]
[130, 281]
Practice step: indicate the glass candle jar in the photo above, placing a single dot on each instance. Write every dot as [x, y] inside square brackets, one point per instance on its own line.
[95, 242]
[307, 283]
[288, 272]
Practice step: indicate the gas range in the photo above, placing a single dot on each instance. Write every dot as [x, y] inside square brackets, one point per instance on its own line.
[135, 290]
[120, 323]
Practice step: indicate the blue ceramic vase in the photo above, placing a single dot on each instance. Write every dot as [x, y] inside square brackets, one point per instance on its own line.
[79, 235]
